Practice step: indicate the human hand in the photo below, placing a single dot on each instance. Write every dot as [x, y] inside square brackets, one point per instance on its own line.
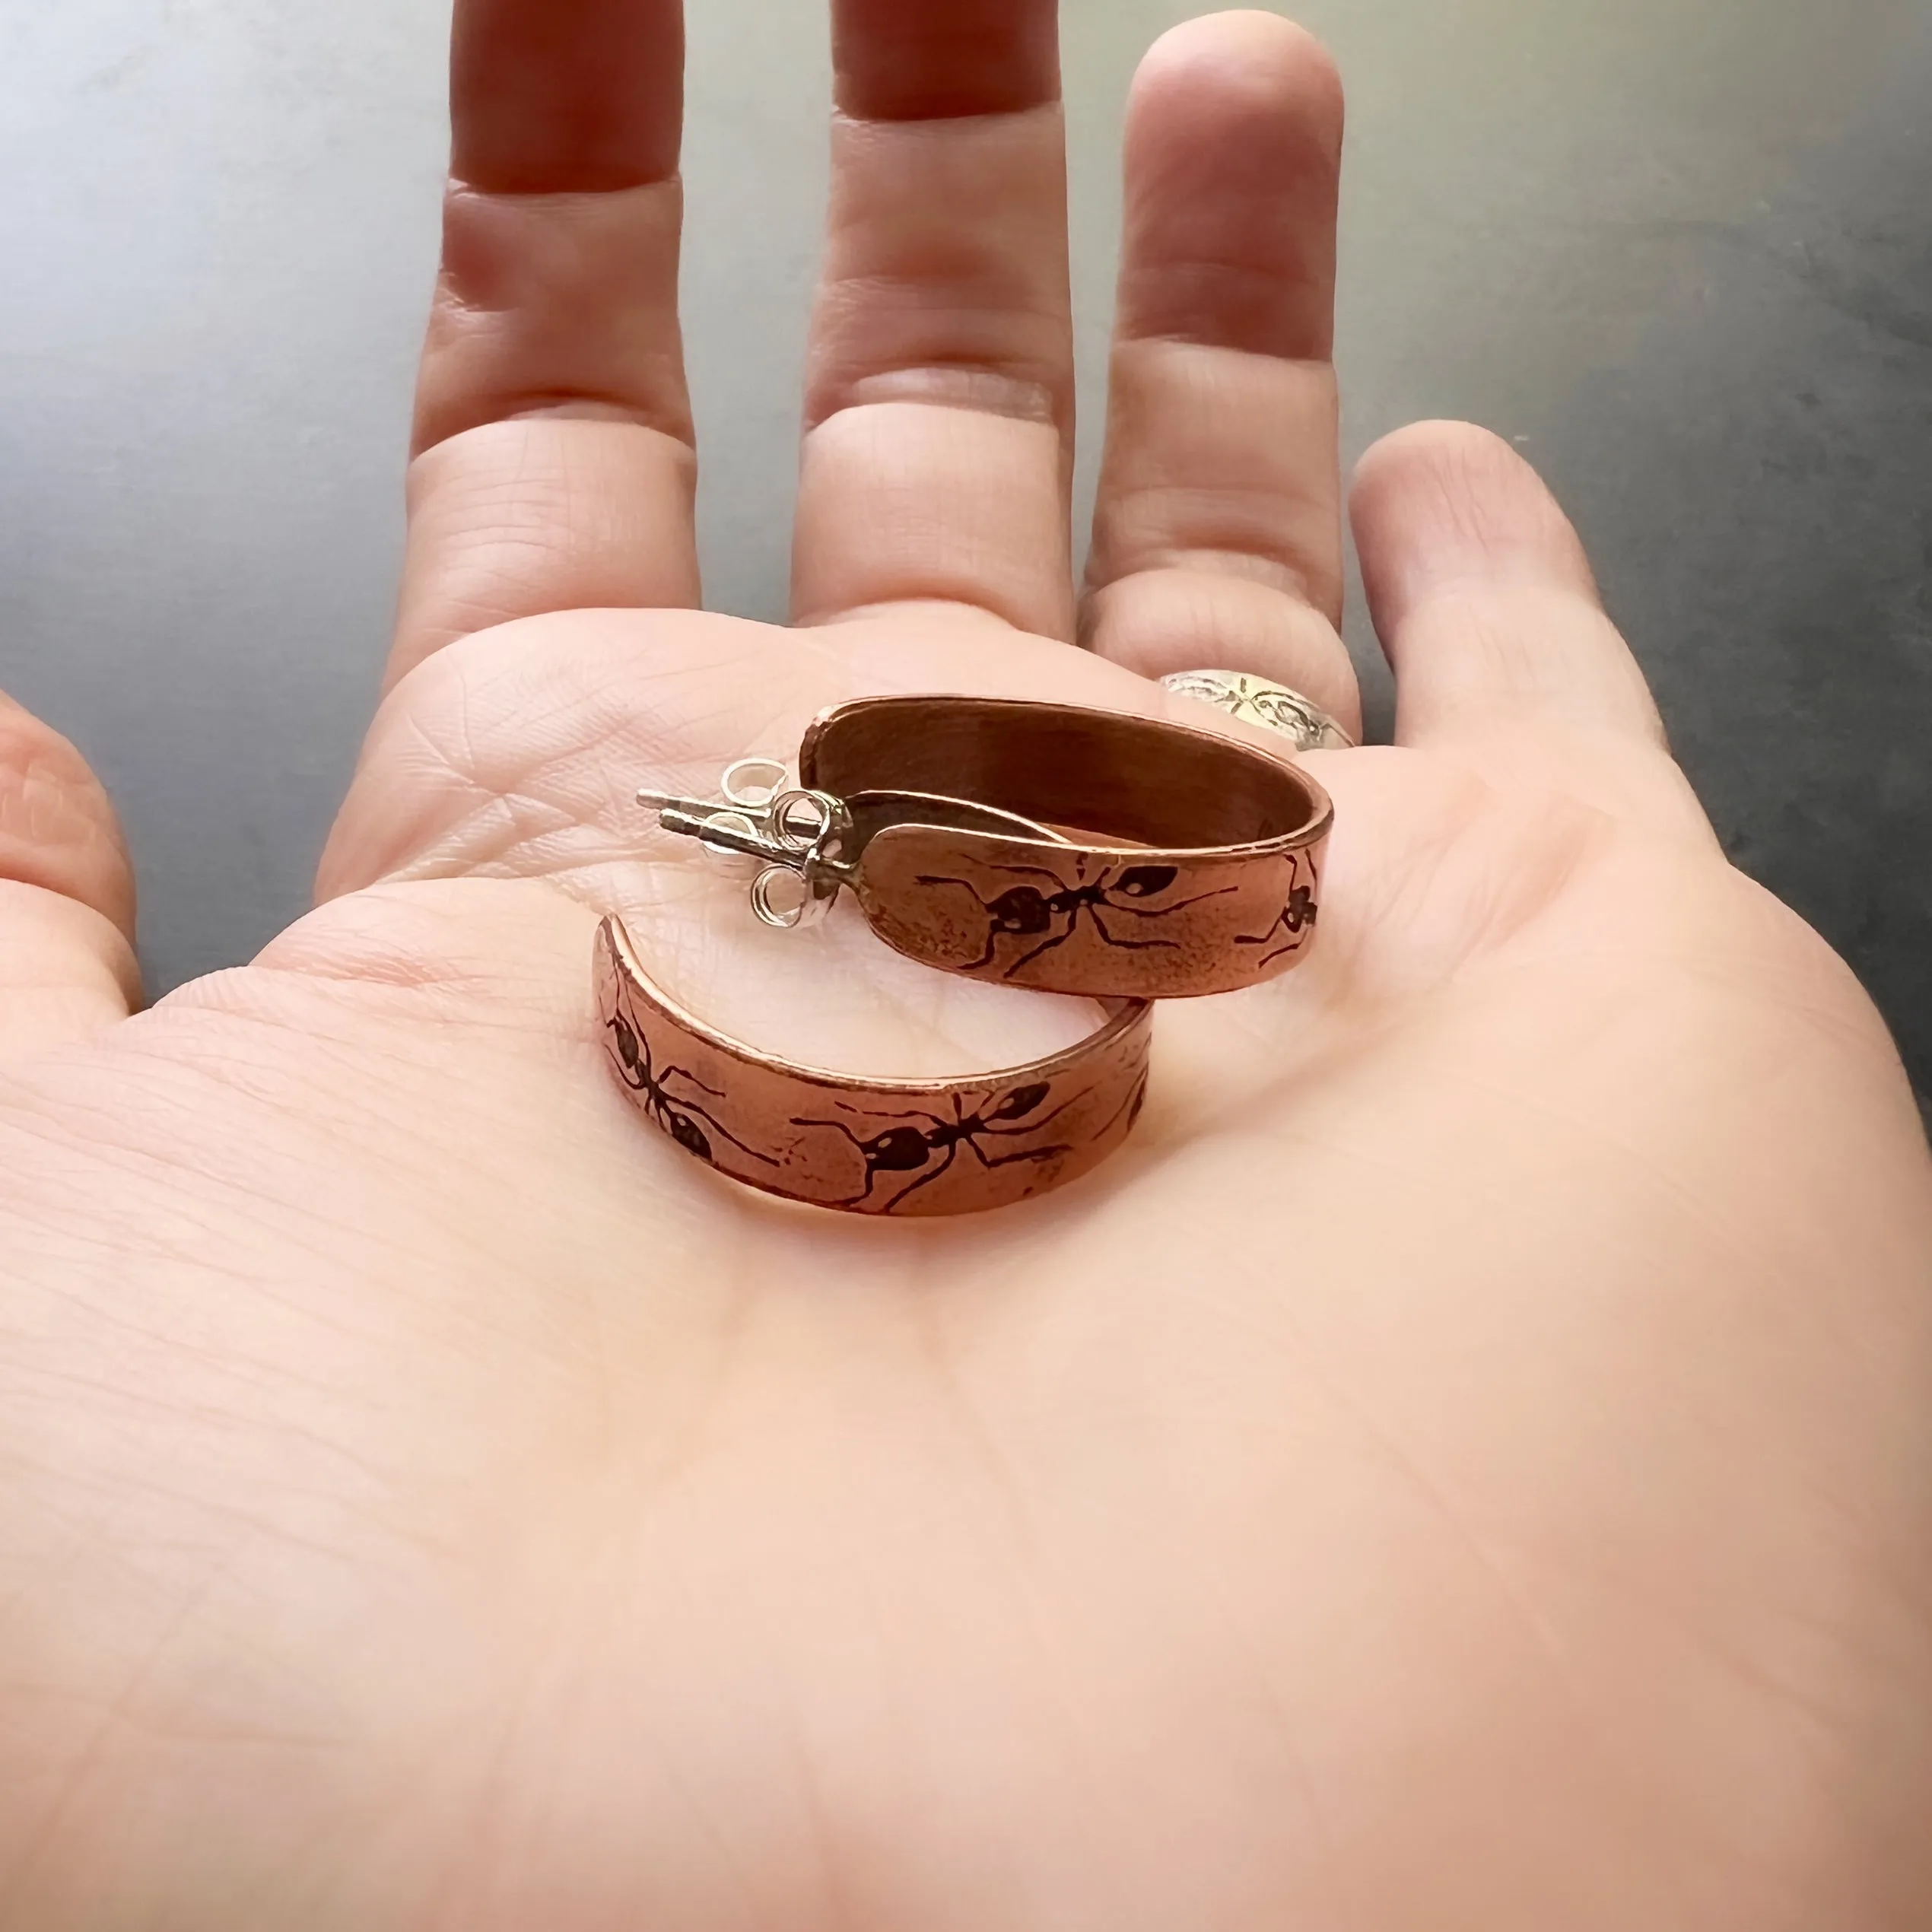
[1462, 1464]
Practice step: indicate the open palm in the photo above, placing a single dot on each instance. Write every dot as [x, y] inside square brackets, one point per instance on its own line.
[1462, 1465]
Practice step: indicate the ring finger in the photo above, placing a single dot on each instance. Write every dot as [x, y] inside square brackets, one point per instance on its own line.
[1218, 531]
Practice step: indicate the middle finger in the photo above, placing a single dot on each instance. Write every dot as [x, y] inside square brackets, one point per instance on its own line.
[938, 393]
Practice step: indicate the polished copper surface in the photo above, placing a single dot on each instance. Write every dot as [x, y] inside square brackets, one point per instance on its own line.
[903, 1148]
[1177, 863]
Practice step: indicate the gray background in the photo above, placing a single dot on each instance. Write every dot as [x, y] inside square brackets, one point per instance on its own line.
[1678, 249]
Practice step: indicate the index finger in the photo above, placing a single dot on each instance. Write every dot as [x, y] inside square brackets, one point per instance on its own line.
[553, 466]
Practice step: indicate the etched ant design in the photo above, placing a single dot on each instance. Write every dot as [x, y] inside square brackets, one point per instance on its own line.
[1291, 930]
[677, 1116]
[1027, 912]
[927, 1144]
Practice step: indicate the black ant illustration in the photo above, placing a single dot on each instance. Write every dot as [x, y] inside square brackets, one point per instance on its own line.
[1296, 921]
[909, 1149]
[678, 1118]
[1026, 912]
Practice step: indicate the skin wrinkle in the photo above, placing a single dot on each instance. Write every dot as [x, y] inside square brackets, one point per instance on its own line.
[1018, 388]
[163, 1341]
[1822, 1722]
[1767, 1688]
[1205, 370]
[692, 1434]
[1443, 498]
[454, 761]
[904, 308]
[833, 616]
[1233, 357]
[563, 201]
[515, 338]
[269, 1529]
[1008, 551]
[1505, 623]
[493, 1806]
[1271, 573]
[128, 1160]
[1537, 895]
[479, 503]
[1432, 872]
[468, 853]
[928, 1325]
[713, 1828]
[684, 1789]
[1215, 288]
[503, 555]
[943, 141]
[831, 1859]
[493, 830]
[238, 1198]
[489, 509]
[43, 1838]
[585, 405]
[1730, 1243]
[440, 762]
[1721, 973]
[982, 391]
[1209, 564]
[968, 618]
[486, 507]
[412, 974]
[837, 1905]
[183, 1168]
[1546, 1641]
[1222, 1603]
[246, 1374]
[1000, 1469]
[937, 274]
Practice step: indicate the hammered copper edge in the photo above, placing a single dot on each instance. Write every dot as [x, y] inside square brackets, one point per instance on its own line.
[903, 1148]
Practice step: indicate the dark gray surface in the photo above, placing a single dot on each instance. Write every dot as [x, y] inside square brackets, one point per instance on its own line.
[1680, 253]
[1778, 577]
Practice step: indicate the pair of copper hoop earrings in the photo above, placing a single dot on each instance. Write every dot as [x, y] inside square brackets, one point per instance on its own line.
[1197, 871]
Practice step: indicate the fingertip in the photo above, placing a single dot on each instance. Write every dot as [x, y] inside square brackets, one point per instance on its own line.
[1443, 443]
[1438, 449]
[1440, 504]
[1487, 608]
[1245, 61]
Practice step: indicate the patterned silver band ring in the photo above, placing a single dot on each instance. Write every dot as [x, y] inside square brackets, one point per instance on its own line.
[1242, 695]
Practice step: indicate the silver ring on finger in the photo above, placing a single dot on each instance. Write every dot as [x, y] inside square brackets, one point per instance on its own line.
[1257, 700]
